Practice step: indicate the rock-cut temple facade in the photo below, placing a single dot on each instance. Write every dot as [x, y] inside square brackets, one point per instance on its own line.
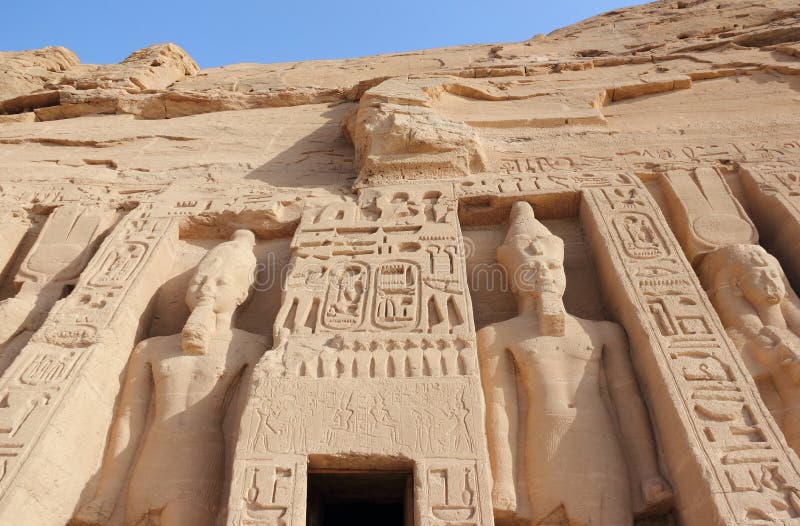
[552, 282]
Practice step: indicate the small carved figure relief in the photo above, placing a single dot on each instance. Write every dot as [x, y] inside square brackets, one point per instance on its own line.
[761, 314]
[567, 450]
[187, 381]
[55, 261]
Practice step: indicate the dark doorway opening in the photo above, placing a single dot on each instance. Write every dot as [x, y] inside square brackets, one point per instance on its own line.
[359, 498]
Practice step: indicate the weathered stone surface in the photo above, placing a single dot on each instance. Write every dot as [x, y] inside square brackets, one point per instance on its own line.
[544, 282]
[25, 72]
[152, 68]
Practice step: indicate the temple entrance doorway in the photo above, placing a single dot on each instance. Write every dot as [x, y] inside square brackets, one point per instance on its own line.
[356, 498]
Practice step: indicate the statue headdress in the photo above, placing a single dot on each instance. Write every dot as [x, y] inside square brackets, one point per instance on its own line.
[537, 242]
[234, 253]
[523, 222]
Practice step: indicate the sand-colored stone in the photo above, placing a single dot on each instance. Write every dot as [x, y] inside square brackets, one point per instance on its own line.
[55, 261]
[565, 428]
[761, 314]
[629, 183]
[189, 381]
[26, 73]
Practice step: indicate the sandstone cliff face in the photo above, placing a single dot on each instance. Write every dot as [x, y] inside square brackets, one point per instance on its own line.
[599, 79]
[431, 241]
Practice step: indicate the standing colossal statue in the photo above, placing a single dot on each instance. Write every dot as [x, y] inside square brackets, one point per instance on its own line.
[187, 382]
[573, 445]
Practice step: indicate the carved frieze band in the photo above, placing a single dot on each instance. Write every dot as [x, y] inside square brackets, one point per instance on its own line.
[779, 149]
[705, 403]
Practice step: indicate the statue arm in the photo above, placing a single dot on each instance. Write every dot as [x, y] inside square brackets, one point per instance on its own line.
[738, 316]
[128, 427]
[791, 308]
[241, 390]
[497, 374]
[634, 421]
[126, 430]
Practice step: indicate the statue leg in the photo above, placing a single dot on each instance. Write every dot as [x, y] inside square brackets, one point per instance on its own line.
[186, 513]
[610, 506]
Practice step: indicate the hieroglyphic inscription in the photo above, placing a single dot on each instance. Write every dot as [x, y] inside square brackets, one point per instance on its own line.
[375, 351]
[88, 311]
[782, 149]
[450, 496]
[263, 494]
[415, 418]
[755, 479]
[390, 262]
[500, 187]
[101, 309]
[353, 356]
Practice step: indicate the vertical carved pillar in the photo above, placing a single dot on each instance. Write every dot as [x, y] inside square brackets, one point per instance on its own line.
[375, 364]
[773, 193]
[724, 453]
[61, 389]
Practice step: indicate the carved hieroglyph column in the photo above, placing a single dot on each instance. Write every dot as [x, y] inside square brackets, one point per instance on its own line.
[773, 193]
[724, 453]
[60, 390]
[746, 285]
[375, 365]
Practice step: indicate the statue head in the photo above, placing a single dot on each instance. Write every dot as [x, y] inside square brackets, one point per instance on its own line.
[763, 285]
[745, 271]
[220, 284]
[532, 256]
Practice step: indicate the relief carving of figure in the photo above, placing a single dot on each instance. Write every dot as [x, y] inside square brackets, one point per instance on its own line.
[54, 263]
[565, 447]
[761, 314]
[187, 382]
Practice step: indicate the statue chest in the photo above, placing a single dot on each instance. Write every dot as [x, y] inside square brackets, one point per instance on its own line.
[194, 373]
[542, 359]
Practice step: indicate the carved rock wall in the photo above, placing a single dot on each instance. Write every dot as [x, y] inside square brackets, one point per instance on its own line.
[502, 272]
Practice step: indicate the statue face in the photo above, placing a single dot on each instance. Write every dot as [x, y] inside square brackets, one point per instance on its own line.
[763, 285]
[534, 267]
[223, 287]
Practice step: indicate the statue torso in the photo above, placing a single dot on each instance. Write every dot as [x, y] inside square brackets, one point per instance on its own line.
[190, 391]
[560, 373]
[568, 425]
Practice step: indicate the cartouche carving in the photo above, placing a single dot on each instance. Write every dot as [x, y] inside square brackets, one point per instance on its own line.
[570, 455]
[761, 313]
[375, 360]
[191, 378]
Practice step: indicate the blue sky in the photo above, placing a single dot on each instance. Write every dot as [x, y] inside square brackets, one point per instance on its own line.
[226, 32]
